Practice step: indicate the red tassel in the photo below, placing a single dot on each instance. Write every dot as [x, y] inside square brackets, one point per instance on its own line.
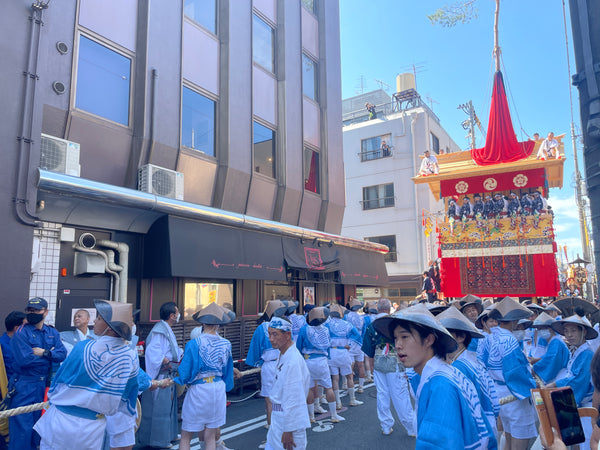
[423, 213]
[483, 262]
[520, 261]
[503, 265]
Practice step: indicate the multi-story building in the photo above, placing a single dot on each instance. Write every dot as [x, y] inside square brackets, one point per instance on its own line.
[383, 205]
[185, 150]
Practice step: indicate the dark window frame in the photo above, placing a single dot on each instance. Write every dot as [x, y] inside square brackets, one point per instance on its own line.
[274, 150]
[435, 143]
[387, 201]
[214, 120]
[392, 255]
[318, 170]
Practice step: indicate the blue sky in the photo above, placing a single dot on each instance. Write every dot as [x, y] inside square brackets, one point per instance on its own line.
[381, 38]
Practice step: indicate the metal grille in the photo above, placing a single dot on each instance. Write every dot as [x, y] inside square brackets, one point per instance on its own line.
[53, 154]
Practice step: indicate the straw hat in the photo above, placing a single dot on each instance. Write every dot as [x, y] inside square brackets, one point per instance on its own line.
[543, 320]
[559, 326]
[483, 316]
[552, 307]
[213, 314]
[471, 300]
[371, 308]
[452, 319]
[526, 323]
[317, 316]
[291, 306]
[436, 308]
[355, 304]
[117, 316]
[419, 315]
[508, 310]
[337, 311]
[273, 308]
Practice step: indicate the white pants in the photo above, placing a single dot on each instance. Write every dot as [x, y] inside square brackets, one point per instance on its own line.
[204, 407]
[356, 353]
[340, 362]
[121, 429]
[60, 431]
[518, 417]
[267, 377]
[276, 431]
[319, 372]
[393, 388]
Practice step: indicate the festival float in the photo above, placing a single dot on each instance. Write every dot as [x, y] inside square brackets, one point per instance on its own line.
[497, 250]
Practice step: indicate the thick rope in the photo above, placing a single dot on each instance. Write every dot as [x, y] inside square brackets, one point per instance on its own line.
[23, 409]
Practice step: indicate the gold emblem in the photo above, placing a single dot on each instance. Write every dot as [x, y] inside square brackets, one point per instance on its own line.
[462, 187]
[520, 180]
[490, 184]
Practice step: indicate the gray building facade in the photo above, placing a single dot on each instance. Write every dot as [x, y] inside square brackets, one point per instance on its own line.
[184, 130]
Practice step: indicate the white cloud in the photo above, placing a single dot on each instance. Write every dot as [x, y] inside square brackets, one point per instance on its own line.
[564, 208]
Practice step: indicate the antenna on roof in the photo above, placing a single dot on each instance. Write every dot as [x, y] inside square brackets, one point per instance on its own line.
[360, 86]
[382, 84]
[415, 68]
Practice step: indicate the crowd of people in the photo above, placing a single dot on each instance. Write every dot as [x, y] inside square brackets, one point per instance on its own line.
[474, 360]
[486, 212]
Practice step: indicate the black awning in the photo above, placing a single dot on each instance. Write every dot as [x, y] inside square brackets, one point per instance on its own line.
[176, 247]
[311, 257]
[362, 268]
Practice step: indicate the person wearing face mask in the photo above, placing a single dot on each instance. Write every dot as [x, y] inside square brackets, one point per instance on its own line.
[508, 367]
[35, 347]
[158, 427]
[553, 364]
[577, 331]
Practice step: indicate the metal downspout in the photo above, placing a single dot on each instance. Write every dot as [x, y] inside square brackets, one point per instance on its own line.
[123, 266]
[24, 151]
[413, 121]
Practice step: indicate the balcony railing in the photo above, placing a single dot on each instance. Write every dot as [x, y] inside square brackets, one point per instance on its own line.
[375, 154]
[375, 203]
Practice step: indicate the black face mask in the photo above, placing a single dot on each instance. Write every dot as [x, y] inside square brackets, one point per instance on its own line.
[34, 318]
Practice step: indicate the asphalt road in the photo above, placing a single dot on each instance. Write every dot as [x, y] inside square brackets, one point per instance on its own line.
[246, 420]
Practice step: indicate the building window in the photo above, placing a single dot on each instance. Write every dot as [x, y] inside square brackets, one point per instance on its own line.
[408, 292]
[264, 150]
[198, 122]
[391, 292]
[262, 44]
[380, 196]
[103, 81]
[309, 77]
[312, 180]
[435, 144]
[199, 295]
[203, 12]
[375, 148]
[309, 4]
[390, 241]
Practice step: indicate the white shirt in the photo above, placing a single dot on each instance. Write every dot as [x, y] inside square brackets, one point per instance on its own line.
[81, 337]
[429, 165]
[158, 349]
[547, 146]
[290, 388]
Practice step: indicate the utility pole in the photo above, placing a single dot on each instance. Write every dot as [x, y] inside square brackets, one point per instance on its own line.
[469, 124]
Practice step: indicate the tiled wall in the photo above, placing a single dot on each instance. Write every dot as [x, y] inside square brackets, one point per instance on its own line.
[44, 266]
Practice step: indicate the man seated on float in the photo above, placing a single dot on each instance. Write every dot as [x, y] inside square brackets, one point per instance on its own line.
[466, 210]
[429, 165]
[478, 205]
[549, 148]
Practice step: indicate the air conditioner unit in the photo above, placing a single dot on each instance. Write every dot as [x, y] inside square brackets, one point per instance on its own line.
[160, 181]
[59, 155]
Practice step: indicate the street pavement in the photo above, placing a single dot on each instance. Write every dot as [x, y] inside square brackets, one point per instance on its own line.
[246, 420]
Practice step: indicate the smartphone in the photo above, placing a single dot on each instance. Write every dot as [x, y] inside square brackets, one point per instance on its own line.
[567, 416]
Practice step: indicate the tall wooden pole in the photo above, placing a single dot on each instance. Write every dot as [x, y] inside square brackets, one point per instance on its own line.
[496, 43]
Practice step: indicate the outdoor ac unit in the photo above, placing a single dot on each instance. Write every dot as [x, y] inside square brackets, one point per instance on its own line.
[160, 181]
[59, 155]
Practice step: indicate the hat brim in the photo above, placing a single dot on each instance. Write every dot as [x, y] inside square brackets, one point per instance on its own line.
[477, 305]
[454, 324]
[515, 314]
[279, 312]
[105, 311]
[387, 324]
[211, 319]
[559, 327]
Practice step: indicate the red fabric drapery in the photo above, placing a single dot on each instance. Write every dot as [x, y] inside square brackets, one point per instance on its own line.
[501, 145]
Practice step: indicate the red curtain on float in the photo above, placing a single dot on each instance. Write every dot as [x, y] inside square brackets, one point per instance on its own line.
[501, 145]
[545, 273]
